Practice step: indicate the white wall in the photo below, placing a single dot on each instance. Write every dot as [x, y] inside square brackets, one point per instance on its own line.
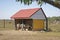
[38, 15]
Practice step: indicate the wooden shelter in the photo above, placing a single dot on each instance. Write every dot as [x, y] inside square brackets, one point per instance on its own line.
[33, 19]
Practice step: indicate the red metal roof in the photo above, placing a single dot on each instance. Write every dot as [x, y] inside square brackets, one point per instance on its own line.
[26, 13]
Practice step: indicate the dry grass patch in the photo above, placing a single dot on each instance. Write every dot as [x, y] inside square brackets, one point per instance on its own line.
[29, 35]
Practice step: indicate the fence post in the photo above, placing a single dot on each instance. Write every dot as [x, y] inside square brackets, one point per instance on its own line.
[4, 23]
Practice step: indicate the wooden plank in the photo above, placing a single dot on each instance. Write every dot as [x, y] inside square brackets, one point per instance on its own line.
[38, 24]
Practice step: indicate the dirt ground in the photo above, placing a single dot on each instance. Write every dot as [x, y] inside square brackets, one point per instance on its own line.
[28, 35]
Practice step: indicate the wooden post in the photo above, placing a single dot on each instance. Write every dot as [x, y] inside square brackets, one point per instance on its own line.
[15, 25]
[46, 24]
[4, 23]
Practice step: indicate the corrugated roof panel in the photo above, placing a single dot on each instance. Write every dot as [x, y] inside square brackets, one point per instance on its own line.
[26, 13]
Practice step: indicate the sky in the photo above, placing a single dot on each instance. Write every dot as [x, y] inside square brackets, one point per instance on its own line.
[10, 7]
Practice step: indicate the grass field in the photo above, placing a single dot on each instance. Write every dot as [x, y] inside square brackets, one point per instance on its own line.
[9, 33]
[9, 25]
[28, 35]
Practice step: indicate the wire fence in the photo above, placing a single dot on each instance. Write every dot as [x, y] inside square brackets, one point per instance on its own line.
[9, 24]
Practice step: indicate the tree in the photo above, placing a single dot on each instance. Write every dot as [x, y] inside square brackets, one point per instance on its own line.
[55, 3]
[28, 2]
